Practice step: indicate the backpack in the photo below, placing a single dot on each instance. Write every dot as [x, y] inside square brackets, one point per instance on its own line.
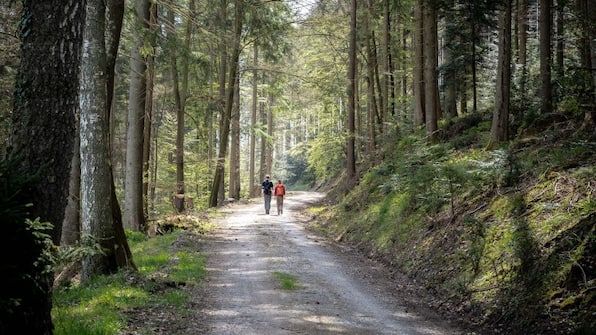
[280, 189]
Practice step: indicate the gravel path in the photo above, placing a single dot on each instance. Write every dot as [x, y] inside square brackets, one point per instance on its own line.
[336, 294]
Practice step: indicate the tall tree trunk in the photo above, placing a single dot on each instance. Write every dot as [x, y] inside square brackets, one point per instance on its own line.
[386, 54]
[381, 110]
[235, 144]
[179, 198]
[46, 97]
[586, 12]
[45, 104]
[371, 105]
[114, 17]
[522, 39]
[546, 94]
[591, 13]
[404, 77]
[134, 218]
[218, 189]
[263, 143]
[474, 68]
[148, 126]
[418, 84]
[522, 31]
[560, 55]
[500, 124]
[253, 123]
[450, 84]
[269, 142]
[97, 221]
[351, 177]
[431, 88]
[216, 194]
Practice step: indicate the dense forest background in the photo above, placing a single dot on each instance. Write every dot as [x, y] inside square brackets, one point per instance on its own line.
[466, 127]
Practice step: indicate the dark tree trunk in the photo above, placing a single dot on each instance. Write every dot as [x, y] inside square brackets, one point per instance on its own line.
[351, 92]
[500, 123]
[418, 84]
[235, 144]
[46, 101]
[148, 127]
[134, 218]
[546, 91]
[253, 123]
[560, 55]
[226, 117]
[46, 98]
[431, 89]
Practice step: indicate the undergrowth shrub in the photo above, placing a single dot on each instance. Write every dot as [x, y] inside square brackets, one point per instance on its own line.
[28, 250]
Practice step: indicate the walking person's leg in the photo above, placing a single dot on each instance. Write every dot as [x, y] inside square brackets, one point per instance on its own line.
[267, 203]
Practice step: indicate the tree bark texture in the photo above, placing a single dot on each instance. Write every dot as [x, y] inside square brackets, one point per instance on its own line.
[179, 110]
[217, 187]
[431, 88]
[560, 40]
[148, 127]
[134, 218]
[418, 84]
[450, 85]
[45, 105]
[216, 193]
[546, 91]
[253, 123]
[71, 226]
[371, 105]
[46, 101]
[114, 18]
[351, 93]
[522, 31]
[235, 144]
[500, 124]
[97, 189]
[270, 128]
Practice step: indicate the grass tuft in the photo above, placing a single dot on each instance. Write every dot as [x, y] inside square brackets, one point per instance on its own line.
[288, 282]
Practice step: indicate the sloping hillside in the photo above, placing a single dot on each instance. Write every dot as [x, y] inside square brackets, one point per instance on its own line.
[504, 239]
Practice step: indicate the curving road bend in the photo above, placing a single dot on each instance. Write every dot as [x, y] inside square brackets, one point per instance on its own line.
[242, 295]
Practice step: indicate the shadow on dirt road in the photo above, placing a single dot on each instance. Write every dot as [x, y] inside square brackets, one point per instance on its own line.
[242, 295]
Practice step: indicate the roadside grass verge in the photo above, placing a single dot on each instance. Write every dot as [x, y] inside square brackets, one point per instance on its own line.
[106, 305]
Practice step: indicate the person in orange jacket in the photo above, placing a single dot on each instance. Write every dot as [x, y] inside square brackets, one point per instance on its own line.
[280, 192]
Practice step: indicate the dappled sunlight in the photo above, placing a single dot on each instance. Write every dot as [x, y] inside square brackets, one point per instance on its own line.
[268, 275]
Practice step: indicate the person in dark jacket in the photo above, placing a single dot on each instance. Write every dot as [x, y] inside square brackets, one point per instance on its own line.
[267, 187]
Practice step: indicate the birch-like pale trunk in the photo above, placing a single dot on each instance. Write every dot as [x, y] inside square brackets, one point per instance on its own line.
[96, 213]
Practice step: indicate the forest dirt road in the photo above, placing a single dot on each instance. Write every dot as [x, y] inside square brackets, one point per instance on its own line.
[337, 292]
